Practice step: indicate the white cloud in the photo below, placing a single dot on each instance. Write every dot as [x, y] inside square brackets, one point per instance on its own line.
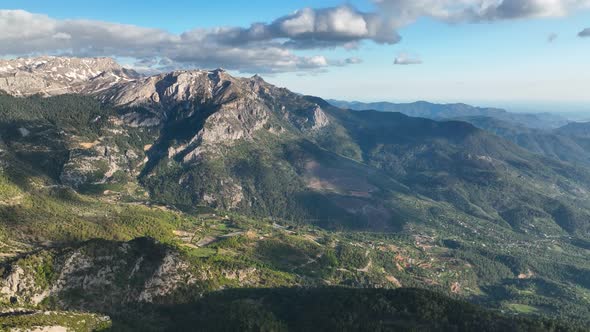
[19, 24]
[407, 59]
[403, 12]
[310, 28]
[343, 21]
[62, 35]
[262, 47]
[303, 21]
[318, 60]
[23, 33]
[353, 60]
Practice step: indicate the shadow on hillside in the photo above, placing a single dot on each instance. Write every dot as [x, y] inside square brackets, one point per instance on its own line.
[320, 309]
[36, 146]
[182, 125]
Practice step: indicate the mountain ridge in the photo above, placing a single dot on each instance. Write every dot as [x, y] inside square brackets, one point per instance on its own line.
[565, 143]
[458, 110]
[50, 75]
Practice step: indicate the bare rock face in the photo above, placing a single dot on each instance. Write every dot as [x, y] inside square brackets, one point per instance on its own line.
[183, 94]
[170, 89]
[51, 76]
[97, 163]
[235, 120]
[231, 108]
[15, 280]
[166, 279]
[234, 108]
[311, 119]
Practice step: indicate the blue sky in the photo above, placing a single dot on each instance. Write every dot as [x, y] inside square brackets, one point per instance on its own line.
[500, 62]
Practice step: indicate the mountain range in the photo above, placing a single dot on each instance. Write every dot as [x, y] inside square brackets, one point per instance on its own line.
[568, 143]
[450, 111]
[542, 133]
[249, 184]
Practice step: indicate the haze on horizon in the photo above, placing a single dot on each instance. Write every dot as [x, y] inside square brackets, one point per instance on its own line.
[531, 54]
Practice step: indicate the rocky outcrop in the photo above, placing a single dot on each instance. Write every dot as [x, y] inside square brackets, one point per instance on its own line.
[166, 279]
[178, 88]
[311, 119]
[104, 272]
[14, 281]
[97, 163]
[233, 121]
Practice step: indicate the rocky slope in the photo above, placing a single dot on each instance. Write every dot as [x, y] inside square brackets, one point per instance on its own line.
[96, 275]
[231, 108]
[99, 275]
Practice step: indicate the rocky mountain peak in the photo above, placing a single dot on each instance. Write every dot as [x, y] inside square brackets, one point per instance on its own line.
[171, 89]
[50, 75]
[257, 78]
[106, 79]
[231, 108]
[93, 66]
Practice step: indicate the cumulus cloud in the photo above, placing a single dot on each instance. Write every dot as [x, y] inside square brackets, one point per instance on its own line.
[256, 49]
[273, 46]
[22, 32]
[307, 29]
[584, 33]
[407, 59]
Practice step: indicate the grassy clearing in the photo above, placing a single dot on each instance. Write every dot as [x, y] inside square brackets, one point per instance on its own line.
[522, 308]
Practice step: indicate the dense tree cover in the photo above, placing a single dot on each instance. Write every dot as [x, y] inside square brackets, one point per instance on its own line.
[73, 113]
[330, 309]
[425, 109]
[476, 172]
[564, 143]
